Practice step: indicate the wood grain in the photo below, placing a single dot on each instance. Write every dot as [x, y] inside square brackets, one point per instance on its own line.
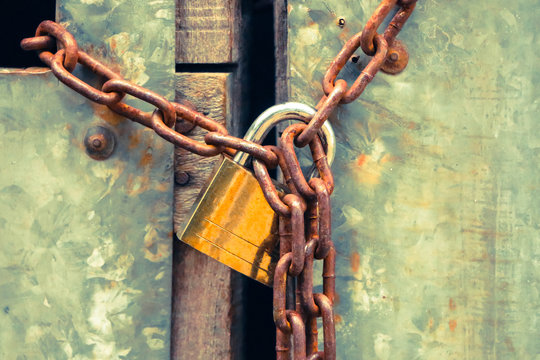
[204, 307]
[207, 31]
[280, 38]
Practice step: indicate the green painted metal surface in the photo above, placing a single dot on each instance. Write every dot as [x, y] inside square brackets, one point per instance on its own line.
[85, 245]
[436, 212]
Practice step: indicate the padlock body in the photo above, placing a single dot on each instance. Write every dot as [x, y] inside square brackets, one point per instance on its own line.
[232, 222]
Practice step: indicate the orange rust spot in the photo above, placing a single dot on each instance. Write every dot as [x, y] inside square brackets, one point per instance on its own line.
[412, 125]
[337, 318]
[336, 298]
[362, 159]
[106, 114]
[162, 186]
[355, 261]
[386, 158]
[146, 159]
[452, 324]
[136, 185]
[134, 140]
[451, 304]
[129, 181]
[430, 323]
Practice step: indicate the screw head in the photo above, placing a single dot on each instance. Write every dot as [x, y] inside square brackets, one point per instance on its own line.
[99, 142]
[181, 178]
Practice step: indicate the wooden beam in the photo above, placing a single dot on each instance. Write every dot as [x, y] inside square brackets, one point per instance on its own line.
[204, 313]
[207, 311]
[207, 31]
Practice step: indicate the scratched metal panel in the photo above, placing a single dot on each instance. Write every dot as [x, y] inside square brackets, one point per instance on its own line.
[85, 245]
[436, 211]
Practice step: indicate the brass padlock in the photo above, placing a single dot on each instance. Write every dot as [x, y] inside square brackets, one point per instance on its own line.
[231, 220]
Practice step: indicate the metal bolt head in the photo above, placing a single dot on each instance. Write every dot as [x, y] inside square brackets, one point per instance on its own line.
[396, 59]
[341, 22]
[181, 178]
[99, 142]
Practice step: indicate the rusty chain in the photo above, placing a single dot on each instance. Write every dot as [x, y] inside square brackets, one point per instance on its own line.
[304, 213]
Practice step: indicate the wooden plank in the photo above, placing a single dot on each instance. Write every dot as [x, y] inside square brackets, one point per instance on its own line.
[206, 294]
[203, 307]
[280, 38]
[207, 31]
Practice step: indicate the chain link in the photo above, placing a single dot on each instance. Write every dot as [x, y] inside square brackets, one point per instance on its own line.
[307, 200]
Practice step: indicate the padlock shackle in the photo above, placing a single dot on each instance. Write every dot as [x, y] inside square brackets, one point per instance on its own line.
[278, 114]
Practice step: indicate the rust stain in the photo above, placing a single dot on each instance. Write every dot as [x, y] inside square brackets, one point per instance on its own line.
[509, 344]
[452, 324]
[106, 114]
[162, 186]
[368, 170]
[146, 159]
[344, 35]
[362, 159]
[162, 252]
[337, 318]
[452, 304]
[136, 185]
[134, 140]
[337, 298]
[412, 125]
[355, 261]
[386, 158]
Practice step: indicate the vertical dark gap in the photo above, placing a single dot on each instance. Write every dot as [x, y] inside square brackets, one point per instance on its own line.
[259, 325]
[19, 19]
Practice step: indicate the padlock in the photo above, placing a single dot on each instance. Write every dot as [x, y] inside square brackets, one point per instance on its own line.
[231, 220]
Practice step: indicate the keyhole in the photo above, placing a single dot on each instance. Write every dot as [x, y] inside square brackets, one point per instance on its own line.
[19, 19]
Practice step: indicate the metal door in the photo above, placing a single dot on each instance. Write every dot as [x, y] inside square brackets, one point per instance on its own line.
[85, 249]
[436, 204]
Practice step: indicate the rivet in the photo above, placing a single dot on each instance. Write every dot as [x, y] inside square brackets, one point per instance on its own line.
[181, 178]
[99, 142]
[341, 22]
[394, 56]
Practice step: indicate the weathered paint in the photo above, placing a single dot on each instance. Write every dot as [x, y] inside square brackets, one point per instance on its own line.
[436, 213]
[85, 245]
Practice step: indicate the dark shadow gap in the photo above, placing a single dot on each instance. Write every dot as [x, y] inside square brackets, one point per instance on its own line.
[206, 68]
[18, 20]
[259, 331]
